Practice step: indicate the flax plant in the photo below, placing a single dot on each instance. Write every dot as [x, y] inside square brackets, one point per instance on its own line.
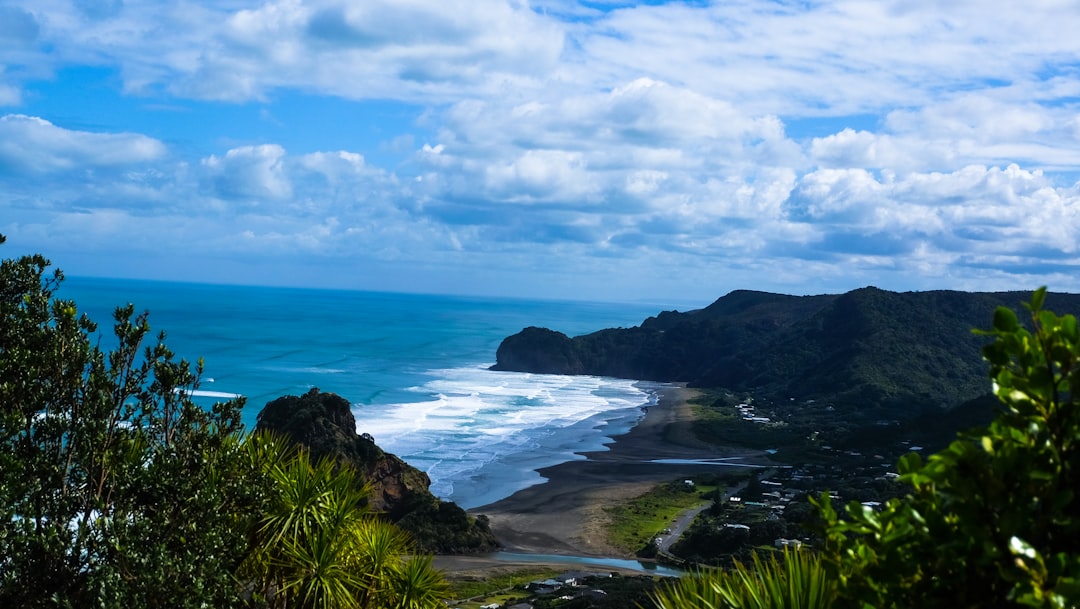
[798, 580]
[318, 546]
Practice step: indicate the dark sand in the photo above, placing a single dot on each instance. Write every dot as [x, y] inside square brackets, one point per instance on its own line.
[565, 514]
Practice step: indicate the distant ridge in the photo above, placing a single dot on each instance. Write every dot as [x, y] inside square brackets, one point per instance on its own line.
[874, 352]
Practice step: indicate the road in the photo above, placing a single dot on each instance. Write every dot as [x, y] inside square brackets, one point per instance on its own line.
[683, 520]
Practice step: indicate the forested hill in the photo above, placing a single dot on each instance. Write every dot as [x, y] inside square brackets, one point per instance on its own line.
[876, 350]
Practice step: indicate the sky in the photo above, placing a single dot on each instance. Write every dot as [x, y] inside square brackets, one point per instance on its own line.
[594, 150]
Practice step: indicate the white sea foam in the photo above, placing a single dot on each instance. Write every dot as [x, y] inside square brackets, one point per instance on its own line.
[483, 434]
[200, 393]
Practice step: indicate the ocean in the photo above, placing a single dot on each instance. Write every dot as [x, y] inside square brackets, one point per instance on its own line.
[414, 368]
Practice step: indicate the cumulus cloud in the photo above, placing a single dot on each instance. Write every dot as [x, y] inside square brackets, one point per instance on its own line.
[974, 211]
[37, 146]
[574, 136]
[607, 152]
[249, 172]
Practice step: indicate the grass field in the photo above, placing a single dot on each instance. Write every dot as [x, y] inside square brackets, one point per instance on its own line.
[495, 589]
[635, 522]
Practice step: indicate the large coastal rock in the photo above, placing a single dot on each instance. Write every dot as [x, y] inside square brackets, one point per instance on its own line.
[324, 423]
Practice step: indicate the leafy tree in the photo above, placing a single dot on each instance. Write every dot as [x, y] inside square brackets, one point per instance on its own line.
[994, 519]
[116, 490]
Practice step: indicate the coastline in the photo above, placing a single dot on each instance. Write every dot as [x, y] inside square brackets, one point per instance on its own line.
[564, 515]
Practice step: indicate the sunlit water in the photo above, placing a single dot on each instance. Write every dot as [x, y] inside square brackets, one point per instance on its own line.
[413, 366]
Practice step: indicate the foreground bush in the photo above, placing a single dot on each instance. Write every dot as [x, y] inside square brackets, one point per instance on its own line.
[118, 491]
[991, 521]
[796, 580]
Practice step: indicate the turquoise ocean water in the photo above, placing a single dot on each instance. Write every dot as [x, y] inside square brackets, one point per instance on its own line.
[414, 368]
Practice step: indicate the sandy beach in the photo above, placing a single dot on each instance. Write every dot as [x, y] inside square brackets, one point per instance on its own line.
[565, 514]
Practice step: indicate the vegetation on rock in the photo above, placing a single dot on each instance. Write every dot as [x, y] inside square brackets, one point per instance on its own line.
[323, 423]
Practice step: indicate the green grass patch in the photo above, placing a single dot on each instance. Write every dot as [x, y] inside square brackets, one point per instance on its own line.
[717, 421]
[635, 522]
[489, 587]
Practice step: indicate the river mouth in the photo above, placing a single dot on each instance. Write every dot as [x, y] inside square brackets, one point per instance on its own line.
[650, 568]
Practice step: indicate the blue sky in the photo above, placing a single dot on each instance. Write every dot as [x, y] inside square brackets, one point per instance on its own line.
[660, 151]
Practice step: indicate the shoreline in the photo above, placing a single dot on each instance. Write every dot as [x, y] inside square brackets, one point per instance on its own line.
[564, 515]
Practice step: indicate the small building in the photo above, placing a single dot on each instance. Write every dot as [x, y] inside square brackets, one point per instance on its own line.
[788, 543]
[547, 586]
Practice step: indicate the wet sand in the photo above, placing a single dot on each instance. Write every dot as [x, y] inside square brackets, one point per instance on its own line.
[565, 514]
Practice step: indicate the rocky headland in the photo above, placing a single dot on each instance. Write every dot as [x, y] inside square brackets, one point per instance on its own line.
[325, 425]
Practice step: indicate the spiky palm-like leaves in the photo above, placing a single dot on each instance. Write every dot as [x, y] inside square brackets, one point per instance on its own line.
[797, 581]
[317, 546]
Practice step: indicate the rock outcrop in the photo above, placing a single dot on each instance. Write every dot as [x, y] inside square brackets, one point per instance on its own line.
[325, 425]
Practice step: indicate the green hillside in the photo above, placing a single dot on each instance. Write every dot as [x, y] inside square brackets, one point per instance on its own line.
[870, 353]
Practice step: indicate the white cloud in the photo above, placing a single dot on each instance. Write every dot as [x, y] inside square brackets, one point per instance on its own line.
[831, 57]
[562, 135]
[249, 172]
[34, 145]
[240, 51]
[976, 210]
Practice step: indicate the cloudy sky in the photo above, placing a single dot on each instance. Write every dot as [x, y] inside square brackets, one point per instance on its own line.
[605, 150]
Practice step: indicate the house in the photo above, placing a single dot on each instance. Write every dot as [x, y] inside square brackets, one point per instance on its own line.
[788, 543]
[547, 586]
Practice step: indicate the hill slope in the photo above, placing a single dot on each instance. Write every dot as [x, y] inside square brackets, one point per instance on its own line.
[875, 353]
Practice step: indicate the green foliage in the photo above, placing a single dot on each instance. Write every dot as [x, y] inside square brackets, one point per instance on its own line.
[317, 546]
[116, 490]
[798, 580]
[443, 526]
[324, 425]
[993, 520]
